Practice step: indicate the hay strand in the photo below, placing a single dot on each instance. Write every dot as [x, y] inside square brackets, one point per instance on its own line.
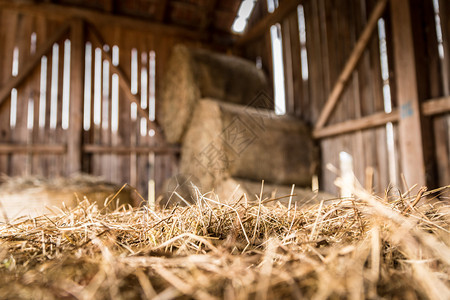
[363, 247]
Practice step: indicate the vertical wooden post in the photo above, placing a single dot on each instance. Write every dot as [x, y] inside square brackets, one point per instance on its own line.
[444, 11]
[410, 123]
[74, 142]
[288, 67]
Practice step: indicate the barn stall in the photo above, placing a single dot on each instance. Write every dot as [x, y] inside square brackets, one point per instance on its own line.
[224, 149]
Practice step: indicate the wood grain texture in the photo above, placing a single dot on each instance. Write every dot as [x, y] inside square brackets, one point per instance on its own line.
[74, 143]
[351, 63]
[410, 128]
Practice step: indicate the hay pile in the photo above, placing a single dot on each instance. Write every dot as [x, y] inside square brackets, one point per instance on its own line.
[33, 196]
[366, 247]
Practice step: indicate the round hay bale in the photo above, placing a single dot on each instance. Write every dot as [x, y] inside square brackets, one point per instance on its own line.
[192, 74]
[32, 197]
[226, 140]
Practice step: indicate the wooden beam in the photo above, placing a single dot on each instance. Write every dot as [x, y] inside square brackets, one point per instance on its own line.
[351, 64]
[410, 126]
[61, 13]
[75, 131]
[444, 11]
[260, 28]
[372, 121]
[92, 148]
[208, 15]
[161, 10]
[110, 6]
[429, 108]
[30, 148]
[436, 106]
[29, 66]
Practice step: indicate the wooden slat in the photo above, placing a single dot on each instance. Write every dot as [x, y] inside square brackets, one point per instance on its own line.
[429, 108]
[74, 141]
[288, 67]
[19, 133]
[444, 7]
[124, 150]
[260, 28]
[298, 84]
[410, 128]
[161, 10]
[436, 106]
[10, 20]
[57, 165]
[372, 121]
[351, 64]
[36, 148]
[124, 81]
[28, 67]
[441, 132]
[208, 13]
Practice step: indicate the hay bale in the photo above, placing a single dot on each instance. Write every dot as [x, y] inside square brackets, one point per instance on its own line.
[193, 74]
[32, 197]
[226, 140]
[231, 189]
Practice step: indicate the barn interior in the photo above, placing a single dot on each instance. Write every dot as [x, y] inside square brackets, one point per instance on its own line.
[83, 88]
[290, 100]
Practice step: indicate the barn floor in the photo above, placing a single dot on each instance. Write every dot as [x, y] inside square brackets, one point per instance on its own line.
[364, 247]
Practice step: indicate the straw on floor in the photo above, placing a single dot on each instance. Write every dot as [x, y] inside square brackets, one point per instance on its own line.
[397, 246]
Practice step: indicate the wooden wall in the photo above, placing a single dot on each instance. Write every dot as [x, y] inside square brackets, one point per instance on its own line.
[128, 155]
[333, 28]
[357, 125]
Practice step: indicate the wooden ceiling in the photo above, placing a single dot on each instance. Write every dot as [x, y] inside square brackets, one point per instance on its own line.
[213, 16]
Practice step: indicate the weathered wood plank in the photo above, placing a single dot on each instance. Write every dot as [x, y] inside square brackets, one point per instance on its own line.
[260, 28]
[125, 82]
[444, 13]
[410, 128]
[61, 13]
[368, 122]
[442, 151]
[351, 64]
[126, 150]
[436, 106]
[37, 136]
[74, 142]
[35, 148]
[9, 20]
[19, 134]
[299, 97]
[288, 66]
[14, 82]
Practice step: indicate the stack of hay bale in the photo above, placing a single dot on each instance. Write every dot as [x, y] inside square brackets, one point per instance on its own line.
[217, 107]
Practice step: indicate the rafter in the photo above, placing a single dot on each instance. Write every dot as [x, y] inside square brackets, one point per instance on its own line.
[161, 10]
[62, 13]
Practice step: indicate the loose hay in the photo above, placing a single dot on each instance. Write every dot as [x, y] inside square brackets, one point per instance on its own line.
[34, 196]
[233, 188]
[363, 247]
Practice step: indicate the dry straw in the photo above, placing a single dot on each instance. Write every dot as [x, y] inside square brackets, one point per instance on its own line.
[363, 247]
